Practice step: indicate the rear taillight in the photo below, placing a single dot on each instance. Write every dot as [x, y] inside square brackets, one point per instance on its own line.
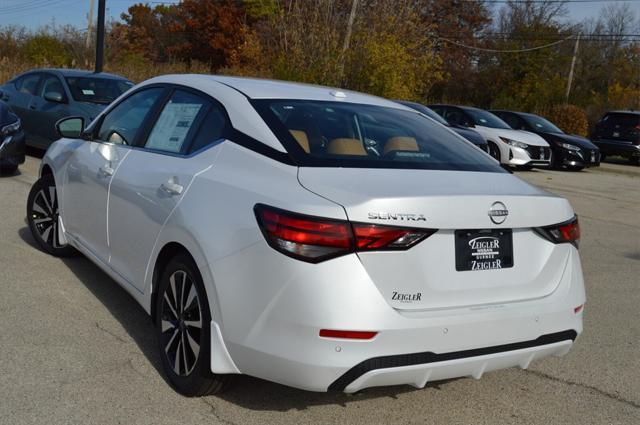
[568, 231]
[316, 239]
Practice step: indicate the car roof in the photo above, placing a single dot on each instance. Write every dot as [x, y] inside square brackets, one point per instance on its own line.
[66, 72]
[463, 107]
[256, 88]
[628, 111]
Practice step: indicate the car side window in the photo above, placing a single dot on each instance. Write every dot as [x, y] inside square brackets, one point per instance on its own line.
[213, 128]
[178, 122]
[455, 116]
[28, 84]
[122, 124]
[51, 84]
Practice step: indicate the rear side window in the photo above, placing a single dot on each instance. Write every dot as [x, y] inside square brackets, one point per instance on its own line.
[177, 122]
[621, 119]
[213, 128]
[28, 84]
[340, 134]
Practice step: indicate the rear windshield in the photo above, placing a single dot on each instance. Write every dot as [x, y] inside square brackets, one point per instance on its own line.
[340, 134]
[622, 120]
[97, 90]
[486, 119]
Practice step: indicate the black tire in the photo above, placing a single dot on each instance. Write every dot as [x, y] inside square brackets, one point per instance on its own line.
[8, 170]
[602, 157]
[494, 151]
[183, 324]
[634, 160]
[42, 215]
[575, 168]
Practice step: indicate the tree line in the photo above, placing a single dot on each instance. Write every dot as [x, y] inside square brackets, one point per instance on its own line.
[511, 54]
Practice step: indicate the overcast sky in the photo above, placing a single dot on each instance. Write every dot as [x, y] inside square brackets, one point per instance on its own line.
[34, 13]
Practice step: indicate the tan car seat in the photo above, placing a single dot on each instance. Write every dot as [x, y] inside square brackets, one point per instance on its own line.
[401, 143]
[343, 146]
[301, 138]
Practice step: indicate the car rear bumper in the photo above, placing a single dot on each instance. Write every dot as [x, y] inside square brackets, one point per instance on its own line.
[411, 347]
[613, 147]
[12, 149]
[420, 368]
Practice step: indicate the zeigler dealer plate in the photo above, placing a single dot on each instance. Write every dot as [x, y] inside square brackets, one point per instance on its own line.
[488, 249]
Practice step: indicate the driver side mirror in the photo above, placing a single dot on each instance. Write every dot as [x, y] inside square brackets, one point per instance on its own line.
[70, 128]
[468, 124]
[54, 96]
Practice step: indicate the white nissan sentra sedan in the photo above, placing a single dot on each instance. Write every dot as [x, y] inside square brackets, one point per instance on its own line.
[322, 239]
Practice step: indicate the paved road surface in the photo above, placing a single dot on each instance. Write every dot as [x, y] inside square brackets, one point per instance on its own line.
[75, 348]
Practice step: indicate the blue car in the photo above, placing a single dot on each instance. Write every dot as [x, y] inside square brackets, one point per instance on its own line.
[472, 136]
[41, 97]
[11, 140]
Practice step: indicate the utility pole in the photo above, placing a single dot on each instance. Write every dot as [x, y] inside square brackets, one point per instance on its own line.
[100, 36]
[573, 64]
[89, 25]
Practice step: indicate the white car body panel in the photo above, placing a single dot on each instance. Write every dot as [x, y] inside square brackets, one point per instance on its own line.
[267, 308]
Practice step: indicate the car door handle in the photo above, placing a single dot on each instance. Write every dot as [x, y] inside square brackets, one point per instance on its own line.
[32, 107]
[172, 188]
[106, 170]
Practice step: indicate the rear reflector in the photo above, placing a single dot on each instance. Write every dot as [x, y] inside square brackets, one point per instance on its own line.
[568, 231]
[331, 333]
[316, 239]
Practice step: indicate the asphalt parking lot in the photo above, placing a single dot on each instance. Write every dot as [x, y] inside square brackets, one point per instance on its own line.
[75, 348]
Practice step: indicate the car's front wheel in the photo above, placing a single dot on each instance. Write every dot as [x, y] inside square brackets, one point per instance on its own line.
[183, 324]
[494, 151]
[42, 215]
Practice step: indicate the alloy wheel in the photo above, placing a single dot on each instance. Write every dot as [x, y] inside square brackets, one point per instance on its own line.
[181, 323]
[45, 215]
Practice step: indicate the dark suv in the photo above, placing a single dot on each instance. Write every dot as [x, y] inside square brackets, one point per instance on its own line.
[618, 133]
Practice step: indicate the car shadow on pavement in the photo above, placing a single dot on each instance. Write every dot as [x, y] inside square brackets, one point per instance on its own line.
[245, 391]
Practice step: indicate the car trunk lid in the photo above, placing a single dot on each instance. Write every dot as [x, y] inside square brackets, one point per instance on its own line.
[426, 276]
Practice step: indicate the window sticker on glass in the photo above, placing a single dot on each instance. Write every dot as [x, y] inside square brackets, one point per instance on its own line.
[172, 127]
[88, 92]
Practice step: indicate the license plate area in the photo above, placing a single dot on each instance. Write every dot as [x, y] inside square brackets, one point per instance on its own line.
[484, 249]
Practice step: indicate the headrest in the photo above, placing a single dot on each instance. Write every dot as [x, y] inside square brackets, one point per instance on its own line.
[401, 143]
[345, 146]
[301, 138]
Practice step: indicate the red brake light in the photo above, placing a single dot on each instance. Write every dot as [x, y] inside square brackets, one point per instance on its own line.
[316, 239]
[371, 236]
[330, 333]
[561, 233]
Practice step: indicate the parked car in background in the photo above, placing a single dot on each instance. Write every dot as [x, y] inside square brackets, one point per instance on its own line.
[521, 149]
[11, 140]
[472, 136]
[252, 221]
[618, 133]
[41, 97]
[568, 150]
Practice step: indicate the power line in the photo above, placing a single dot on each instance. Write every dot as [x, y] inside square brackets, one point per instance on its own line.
[483, 49]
